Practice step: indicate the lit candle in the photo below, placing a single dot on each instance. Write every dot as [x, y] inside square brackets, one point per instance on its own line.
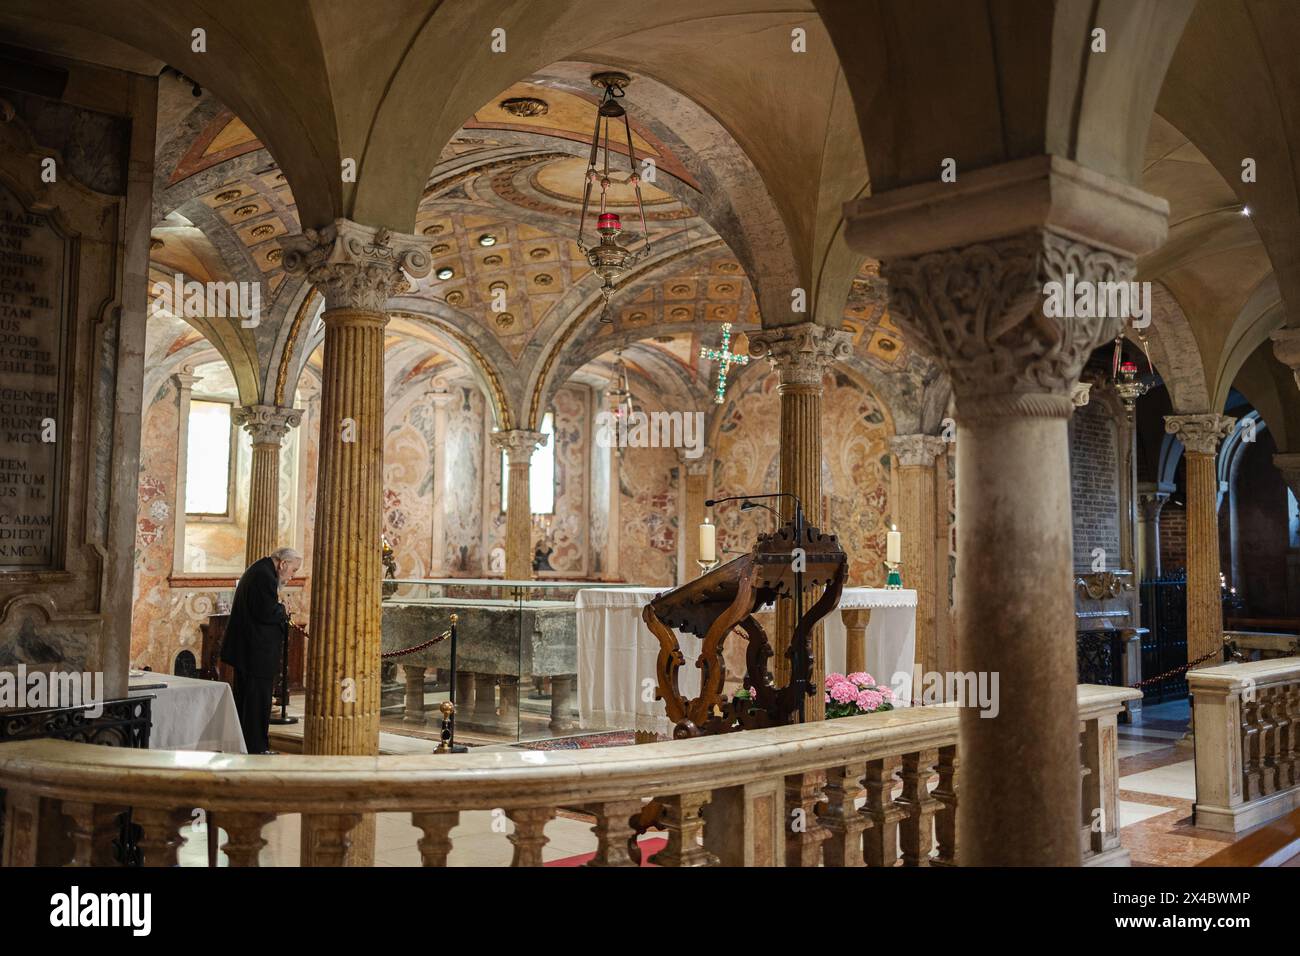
[708, 541]
[893, 546]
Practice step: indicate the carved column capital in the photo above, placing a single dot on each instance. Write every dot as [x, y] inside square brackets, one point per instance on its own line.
[1200, 434]
[696, 466]
[519, 444]
[802, 353]
[268, 424]
[1151, 503]
[186, 380]
[355, 266]
[1286, 346]
[1289, 465]
[914, 450]
[980, 310]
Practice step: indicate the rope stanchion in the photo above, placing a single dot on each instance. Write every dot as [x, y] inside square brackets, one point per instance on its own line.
[1177, 670]
[418, 647]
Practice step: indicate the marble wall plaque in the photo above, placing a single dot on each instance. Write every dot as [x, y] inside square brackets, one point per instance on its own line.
[34, 263]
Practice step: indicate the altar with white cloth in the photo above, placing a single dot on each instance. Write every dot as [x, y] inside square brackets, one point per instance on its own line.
[617, 652]
[189, 714]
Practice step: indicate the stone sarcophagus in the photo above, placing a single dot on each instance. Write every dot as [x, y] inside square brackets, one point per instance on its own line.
[499, 647]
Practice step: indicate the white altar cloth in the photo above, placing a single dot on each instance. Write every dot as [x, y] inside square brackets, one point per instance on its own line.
[190, 714]
[617, 652]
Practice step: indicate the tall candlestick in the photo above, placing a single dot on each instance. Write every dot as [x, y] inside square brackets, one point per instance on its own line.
[893, 546]
[708, 541]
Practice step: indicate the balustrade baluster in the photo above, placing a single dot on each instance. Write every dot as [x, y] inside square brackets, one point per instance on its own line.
[916, 830]
[327, 837]
[529, 835]
[843, 823]
[945, 819]
[160, 840]
[683, 821]
[613, 831]
[93, 828]
[1249, 749]
[244, 840]
[436, 842]
[880, 842]
[804, 833]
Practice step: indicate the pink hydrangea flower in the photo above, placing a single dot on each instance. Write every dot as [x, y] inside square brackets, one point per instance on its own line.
[862, 678]
[844, 692]
[885, 692]
[835, 678]
[869, 700]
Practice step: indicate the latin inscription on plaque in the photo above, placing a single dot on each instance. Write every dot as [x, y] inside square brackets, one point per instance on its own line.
[33, 271]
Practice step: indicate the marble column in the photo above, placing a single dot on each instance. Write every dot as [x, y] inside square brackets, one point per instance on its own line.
[519, 445]
[915, 514]
[1151, 501]
[1200, 435]
[357, 269]
[694, 474]
[976, 271]
[801, 355]
[267, 425]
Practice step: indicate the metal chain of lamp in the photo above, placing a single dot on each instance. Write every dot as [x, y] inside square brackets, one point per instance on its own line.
[609, 259]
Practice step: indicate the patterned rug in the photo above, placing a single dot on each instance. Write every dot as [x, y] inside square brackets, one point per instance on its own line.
[617, 738]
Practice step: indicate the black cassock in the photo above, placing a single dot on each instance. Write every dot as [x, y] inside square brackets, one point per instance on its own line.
[252, 645]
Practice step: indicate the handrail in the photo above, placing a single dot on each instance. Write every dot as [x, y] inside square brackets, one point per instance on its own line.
[791, 765]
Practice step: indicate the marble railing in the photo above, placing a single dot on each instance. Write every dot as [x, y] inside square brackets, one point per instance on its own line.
[1246, 723]
[808, 794]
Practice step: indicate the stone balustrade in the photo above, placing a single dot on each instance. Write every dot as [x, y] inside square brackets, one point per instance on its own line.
[848, 792]
[1246, 719]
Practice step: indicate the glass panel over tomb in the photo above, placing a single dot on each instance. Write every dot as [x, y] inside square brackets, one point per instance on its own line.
[515, 672]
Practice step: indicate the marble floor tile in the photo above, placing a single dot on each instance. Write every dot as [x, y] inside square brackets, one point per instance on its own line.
[1173, 780]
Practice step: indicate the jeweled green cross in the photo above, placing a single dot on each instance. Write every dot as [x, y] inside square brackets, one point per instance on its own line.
[725, 359]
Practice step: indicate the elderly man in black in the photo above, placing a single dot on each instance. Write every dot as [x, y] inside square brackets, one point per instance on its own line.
[253, 641]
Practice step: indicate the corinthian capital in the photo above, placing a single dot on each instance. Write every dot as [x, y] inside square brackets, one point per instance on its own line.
[802, 353]
[1200, 434]
[519, 444]
[980, 310]
[355, 266]
[914, 450]
[268, 424]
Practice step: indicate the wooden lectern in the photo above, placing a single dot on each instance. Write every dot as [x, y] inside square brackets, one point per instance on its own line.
[712, 607]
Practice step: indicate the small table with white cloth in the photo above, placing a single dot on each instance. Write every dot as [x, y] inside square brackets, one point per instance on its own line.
[190, 714]
[617, 652]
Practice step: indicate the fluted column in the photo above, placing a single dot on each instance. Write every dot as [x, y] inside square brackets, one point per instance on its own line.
[694, 484]
[1151, 501]
[1200, 435]
[915, 514]
[267, 425]
[801, 355]
[357, 269]
[519, 445]
[977, 271]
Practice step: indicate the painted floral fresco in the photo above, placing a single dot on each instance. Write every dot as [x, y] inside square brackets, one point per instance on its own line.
[647, 516]
[464, 451]
[409, 444]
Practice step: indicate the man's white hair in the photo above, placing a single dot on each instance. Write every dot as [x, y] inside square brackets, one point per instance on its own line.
[286, 554]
